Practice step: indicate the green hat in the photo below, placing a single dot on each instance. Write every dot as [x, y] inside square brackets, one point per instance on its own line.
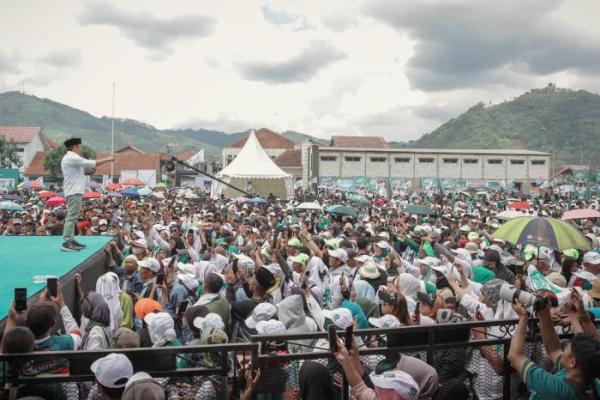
[294, 242]
[333, 243]
[300, 259]
[573, 253]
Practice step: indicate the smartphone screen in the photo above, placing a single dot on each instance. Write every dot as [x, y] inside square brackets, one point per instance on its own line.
[348, 339]
[51, 285]
[332, 339]
[20, 299]
[183, 305]
[160, 278]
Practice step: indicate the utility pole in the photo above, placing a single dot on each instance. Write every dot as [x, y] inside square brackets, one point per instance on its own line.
[112, 138]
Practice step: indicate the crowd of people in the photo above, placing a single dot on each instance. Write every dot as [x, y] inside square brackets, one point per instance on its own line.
[188, 271]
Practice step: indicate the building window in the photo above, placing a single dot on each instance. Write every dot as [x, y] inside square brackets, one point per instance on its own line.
[378, 159]
[517, 162]
[401, 159]
[538, 162]
[426, 160]
[450, 160]
[352, 159]
[495, 161]
[20, 150]
[470, 161]
[328, 158]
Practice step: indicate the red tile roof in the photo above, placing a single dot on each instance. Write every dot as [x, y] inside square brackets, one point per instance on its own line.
[129, 149]
[185, 155]
[358, 141]
[289, 158]
[20, 134]
[268, 140]
[123, 161]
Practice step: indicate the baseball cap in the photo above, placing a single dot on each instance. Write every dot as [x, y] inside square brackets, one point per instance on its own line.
[262, 312]
[382, 245]
[161, 327]
[212, 320]
[17, 221]
[294, 242]
[591, 257]
[465, 228]
[473, 236]
[364, 258]
[398, 381]
[103, 222]
[472, 247]
[387, 321]
[152, 264]
[146, 306]
[112, 371]
[340, 254]
[341, 317]
[300, 259]
[271, 327]
[140, 243]
[188, 280]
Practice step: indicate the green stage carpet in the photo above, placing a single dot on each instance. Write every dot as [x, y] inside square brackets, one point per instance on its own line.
[25, 256]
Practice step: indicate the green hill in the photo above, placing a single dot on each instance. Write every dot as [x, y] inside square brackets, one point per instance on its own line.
[536, 120]
[60, 122]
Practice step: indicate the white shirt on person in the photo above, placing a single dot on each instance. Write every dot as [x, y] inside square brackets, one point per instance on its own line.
[73, 165]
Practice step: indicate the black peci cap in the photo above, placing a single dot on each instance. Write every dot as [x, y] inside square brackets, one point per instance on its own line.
[72, 142]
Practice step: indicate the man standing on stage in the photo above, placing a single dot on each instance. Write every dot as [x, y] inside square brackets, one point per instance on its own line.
[74, 186]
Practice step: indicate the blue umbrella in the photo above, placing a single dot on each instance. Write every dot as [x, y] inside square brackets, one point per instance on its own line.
[130, 192]
[145, 191]
[12, 197]
[10, 206]
[258, 200]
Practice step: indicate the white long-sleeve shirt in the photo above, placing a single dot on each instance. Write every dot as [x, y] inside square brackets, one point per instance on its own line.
[73, 166]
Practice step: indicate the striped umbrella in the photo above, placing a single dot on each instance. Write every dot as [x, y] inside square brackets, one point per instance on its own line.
[549, 232]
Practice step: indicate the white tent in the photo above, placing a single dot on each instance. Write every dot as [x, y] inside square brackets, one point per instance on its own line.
[254, 171]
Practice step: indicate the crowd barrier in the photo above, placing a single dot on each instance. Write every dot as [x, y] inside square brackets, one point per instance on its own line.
[426, 342]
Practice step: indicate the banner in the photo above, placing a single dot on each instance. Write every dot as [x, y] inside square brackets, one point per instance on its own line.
[538, 281]
[9, 178]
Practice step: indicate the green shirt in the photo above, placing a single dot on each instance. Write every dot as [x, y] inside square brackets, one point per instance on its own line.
[545, 385]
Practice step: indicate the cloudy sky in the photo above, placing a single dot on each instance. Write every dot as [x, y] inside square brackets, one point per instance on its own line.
[381, 67]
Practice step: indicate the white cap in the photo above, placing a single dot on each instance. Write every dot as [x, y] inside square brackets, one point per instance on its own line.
[138, 376]
[262, 312]
[340, 254]
[160, 326]
[399, 381]
[140, 243]
[363, 258]
[103, 222]
[212, 320]
[591, 257]
[112, 371]
[152, 264]
[188, 280]
[382, 244]
[341, 317]
[387, 321]
[271, 327]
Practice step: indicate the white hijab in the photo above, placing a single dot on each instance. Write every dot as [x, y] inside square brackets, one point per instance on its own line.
[107, 285]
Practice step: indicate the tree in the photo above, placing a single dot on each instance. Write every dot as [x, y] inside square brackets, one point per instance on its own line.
[53, 159]
[9, 153]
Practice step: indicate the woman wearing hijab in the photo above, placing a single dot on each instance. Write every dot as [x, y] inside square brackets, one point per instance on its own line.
[96, 325]
[363, 294]
[120, 304]
[315, 382]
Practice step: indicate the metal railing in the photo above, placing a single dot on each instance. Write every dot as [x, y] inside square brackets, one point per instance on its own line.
[160, 362]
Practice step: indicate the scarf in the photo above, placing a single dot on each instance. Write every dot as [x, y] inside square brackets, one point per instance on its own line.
[97, 312]
[315, 382]
[108, 286]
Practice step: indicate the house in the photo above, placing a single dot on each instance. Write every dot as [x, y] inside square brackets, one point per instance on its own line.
[29, 139]
[359, 142]
[291, 162]
[273, 143]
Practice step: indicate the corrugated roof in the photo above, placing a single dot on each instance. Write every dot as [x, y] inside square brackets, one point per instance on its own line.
[20, 134]
[268, 140]
[510, 152]
[358, 141]
[36, 166]
[289, 158]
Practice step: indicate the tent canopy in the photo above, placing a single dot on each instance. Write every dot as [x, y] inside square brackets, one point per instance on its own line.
[253, 166]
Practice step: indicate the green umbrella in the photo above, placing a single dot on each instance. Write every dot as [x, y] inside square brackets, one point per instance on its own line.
[342, 210]
[418, 209]
[548, 232]
[359, 198]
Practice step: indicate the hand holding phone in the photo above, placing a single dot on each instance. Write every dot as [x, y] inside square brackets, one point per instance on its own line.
[20, 299]
[349, 337]
[51, 284]
[332, 339]
[183, 305]
[160, 279]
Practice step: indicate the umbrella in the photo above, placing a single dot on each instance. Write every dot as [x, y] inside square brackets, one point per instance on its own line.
[130, 192]
[158, 195]
[548, 232]
[342, 210]
[359, 198]
[30, 185]
[509, 214]
[93, 184]
[241, 199]
[145, 191]
[114, 186]
[114, 194]
[55, 201]
[92, 195]
[257, 200]
[519, 205]
[133, 182]
[418, 209]
[581, 214]
[12, 197]
[10, 206]
[45, 194]
[309, 205]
